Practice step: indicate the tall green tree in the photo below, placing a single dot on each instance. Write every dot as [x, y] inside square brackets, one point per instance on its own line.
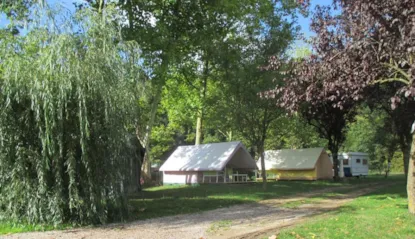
[193, 39]
[63, 121]
[374, 132]
[253, 115]
[173, 32]
[293, 132]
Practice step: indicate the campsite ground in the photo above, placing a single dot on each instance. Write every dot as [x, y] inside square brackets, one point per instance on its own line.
[318, 209]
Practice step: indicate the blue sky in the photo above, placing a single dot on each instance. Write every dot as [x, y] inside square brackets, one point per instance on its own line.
[65, 3]
[304, 22]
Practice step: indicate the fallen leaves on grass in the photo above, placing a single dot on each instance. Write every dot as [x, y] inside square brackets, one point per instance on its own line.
[312, 235]
[298, 236]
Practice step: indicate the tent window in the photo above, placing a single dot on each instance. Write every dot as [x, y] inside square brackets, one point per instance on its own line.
[357, 160]
[364, 161]
[345, 162]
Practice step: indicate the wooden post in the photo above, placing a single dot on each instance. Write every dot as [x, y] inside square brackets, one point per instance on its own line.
[217, 177]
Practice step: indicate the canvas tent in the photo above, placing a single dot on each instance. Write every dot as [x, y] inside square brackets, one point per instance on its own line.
[298, 164]
[208, 163]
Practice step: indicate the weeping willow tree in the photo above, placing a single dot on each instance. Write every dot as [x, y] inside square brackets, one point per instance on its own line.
[67, 94]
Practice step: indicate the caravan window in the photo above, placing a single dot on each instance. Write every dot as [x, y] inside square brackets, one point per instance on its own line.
[364, 161]
[345, 162]
[357, 160]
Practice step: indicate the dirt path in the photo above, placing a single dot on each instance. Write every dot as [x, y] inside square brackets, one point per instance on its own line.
[240, 221]
[289, 217]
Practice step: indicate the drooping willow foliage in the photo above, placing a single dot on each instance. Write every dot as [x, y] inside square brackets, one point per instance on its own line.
[67, 93]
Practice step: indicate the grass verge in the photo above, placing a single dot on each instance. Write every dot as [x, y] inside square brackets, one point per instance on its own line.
[381, 214]
[8, 228]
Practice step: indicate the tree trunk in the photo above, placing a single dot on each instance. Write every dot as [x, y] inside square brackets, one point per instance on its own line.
[134, 182]
[199, 128]
[334, 149]
[135, 165]
[335, 152]
[388, 168]
[159, 81]
[199, 120]
[391, 151]
[410, 187]
[137, 173]
[406, 151]
[263, 169]
[146, 166]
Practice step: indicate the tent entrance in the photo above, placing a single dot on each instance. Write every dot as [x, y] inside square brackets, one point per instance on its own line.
[213, 177]
[229, 175]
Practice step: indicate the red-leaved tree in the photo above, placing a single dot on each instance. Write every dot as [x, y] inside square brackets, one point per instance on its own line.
[367, 43]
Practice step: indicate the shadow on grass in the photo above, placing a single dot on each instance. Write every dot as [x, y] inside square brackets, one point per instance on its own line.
[151, 208]
[273, 188]
[390, 192]
[174, 200]
[250, 190]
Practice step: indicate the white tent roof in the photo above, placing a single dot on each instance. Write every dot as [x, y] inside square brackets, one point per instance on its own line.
[294, 159]
[209, 157]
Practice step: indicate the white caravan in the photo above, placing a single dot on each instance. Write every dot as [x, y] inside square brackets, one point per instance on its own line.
[353, 164]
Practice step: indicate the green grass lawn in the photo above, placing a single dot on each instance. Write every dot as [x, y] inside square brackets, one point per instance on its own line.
[381, 214]
[7, 227]
[174, 200]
